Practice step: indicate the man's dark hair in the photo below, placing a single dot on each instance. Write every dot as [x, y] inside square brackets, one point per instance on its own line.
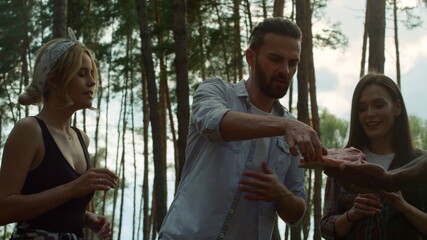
[274, 25]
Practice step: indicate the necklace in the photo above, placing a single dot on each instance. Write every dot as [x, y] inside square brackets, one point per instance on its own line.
[69, 135]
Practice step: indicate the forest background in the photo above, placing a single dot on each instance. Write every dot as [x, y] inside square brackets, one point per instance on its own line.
[152, 55]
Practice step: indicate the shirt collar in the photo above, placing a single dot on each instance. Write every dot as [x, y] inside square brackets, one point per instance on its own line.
[241, 91]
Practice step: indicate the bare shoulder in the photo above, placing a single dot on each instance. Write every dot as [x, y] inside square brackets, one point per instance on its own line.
[26, 127]
[26, 134]
[21, 151]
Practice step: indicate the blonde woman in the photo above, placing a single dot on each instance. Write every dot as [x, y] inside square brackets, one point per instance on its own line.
[46, 181]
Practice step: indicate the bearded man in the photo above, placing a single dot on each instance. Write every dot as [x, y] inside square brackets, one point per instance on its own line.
[243, 148]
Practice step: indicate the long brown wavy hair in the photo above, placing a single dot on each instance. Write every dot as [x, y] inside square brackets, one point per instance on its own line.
[401, 138]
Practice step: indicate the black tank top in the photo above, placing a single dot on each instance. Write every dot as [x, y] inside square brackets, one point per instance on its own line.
[54, 170]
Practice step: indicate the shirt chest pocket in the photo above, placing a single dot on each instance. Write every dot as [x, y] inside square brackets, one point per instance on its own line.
[282, 158]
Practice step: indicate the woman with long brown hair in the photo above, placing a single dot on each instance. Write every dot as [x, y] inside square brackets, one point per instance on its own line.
[379, 126]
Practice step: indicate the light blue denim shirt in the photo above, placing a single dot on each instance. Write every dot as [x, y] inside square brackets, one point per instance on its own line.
[208, 195]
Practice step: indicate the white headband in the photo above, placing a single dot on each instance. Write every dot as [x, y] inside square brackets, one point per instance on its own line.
[50, 57]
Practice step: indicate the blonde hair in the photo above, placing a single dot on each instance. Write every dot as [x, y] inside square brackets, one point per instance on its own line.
[65, 68]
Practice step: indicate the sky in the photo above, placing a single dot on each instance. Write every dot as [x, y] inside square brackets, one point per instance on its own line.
[337, 71]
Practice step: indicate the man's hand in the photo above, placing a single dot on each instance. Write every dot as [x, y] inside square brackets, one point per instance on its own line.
[366, 177]
[264, 187]
[396, 199]
[303, 136]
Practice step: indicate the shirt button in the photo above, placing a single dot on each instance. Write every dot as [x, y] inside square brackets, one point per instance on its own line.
[248, 164]
[231, 211]
[221, 235]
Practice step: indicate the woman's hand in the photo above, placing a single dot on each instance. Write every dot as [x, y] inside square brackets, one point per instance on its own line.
[92, 180]
[365, 205]
[98, 224]
[396, 199]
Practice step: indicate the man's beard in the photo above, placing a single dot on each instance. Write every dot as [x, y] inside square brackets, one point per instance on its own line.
[274, 92]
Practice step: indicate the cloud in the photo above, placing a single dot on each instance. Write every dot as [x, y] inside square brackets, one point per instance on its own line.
[337, 71]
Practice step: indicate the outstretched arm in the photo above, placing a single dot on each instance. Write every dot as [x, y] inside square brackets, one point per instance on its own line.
[214, 117]
[374, 177]
[417, 217]
[414, 172]
[241, 126]
[370, 177]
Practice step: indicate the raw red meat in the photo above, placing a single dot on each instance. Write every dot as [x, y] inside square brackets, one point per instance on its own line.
[342, 155]
[335, 157]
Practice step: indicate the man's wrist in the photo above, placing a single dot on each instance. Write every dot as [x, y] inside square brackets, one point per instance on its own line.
[392, 180]
[284, 196]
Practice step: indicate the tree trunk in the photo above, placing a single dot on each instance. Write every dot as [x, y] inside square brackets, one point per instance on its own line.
[286, 237]
[159, 163]
[118, 169]
[4, 232]
[396, 43]
[145, 192]
[153, 215]
[309, 202]
[107, 108]
[365, 40]
[237, 46]
[264, 8]
[376, 34]
[248, 10]
[25, 50]
[201, 42]
[173, 132]
[124, 128]
[291, 87]
[302, 76]
[162, 106]
[302, 105]
[135, 169]
[315, 122]
[162, 85]
[224, 47]
[1, 129]
[59, 18]
[276, 233]
[182, 83]
[98, 117]
[279, 6]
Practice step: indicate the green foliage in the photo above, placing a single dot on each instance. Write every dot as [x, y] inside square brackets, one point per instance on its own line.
[8, 229]
[418, 131]
[333, 131]
[411, 20]
[331, 37]
[407, 15]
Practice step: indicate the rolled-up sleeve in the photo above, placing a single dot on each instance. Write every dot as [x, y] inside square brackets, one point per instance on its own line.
[294, 181]
[330, 209]
[209, 107]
